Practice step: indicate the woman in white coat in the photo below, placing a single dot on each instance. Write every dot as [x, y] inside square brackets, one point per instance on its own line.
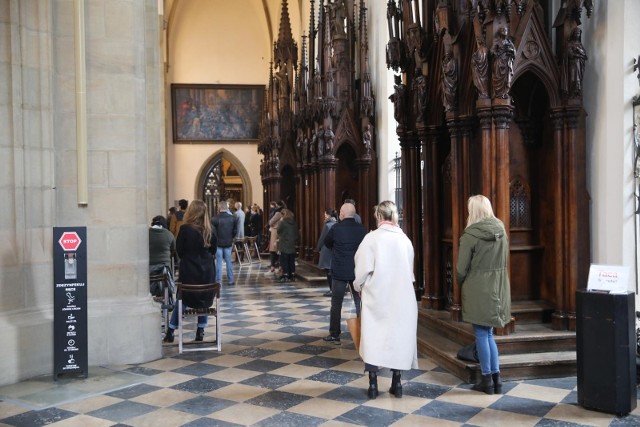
[384, 277]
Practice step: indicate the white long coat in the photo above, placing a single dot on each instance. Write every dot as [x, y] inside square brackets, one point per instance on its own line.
[384, 275]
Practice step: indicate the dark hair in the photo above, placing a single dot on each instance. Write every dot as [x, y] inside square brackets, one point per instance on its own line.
[183, 204]
[159, 220]
[172, 210]
[282, 204]
[353, 202]
[331, 212]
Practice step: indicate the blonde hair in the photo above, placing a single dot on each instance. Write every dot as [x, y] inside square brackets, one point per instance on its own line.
[197, 215]
[386, 211]
[479, 209]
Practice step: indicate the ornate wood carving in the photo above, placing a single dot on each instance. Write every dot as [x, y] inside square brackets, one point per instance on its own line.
[313, 111]
[461, 78]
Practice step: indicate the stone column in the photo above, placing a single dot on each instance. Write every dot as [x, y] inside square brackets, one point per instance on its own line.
[38, 158]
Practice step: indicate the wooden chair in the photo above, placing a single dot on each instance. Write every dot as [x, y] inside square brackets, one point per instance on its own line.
[199, 292]
[252, 245]
[240, 247]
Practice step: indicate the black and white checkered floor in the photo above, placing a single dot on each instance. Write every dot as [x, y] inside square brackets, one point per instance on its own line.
[275, 370]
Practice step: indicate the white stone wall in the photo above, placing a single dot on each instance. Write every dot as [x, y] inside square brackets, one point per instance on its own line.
[611, 40]
[38, 184]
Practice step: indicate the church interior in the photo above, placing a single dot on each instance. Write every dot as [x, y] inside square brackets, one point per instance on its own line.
[111, 112]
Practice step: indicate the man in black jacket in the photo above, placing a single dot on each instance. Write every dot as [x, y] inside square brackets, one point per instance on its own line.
[343, 239]
[224, 226]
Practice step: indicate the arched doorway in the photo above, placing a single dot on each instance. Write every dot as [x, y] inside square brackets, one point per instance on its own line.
[223, 178]
[531, 193]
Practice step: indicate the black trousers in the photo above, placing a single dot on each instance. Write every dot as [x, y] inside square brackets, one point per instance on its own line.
[288, 263]
[338, 289]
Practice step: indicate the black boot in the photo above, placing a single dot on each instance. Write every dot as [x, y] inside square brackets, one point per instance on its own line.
[199, 334]
[373, 385]
[497, 384]
[168, 337]
[485, 385]
[396, 383]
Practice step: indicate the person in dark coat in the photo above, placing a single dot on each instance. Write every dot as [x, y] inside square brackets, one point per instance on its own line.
[162, 249]
[324, 261]
[486, 296]
[195, 245]
[287, 237]
[343, 239]
[225, 227]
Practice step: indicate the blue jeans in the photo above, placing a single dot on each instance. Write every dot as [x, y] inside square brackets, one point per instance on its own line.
[173, 323]
[487, 349]
[226, 254]
[338, 289]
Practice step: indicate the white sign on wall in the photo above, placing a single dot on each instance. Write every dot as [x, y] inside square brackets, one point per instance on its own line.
[612, 278]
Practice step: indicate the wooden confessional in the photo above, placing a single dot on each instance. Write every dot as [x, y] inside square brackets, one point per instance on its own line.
[317, 135]
[487, 104]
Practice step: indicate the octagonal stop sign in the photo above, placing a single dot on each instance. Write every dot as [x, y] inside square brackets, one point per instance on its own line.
[70, 241]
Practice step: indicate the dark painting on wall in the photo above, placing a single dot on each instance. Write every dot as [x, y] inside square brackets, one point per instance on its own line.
[207, 112]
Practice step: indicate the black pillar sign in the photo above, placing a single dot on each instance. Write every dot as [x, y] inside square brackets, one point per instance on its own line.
[70, 301]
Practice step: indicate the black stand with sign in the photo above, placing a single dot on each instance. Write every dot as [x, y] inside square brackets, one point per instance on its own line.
[606, 351]
[70, 301]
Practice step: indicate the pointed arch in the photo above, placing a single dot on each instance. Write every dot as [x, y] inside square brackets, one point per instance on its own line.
[216, 157]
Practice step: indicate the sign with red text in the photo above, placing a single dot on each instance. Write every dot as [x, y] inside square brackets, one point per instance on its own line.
[70, 241]
[611, 278]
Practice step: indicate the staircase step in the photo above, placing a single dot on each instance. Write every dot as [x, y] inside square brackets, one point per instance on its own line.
[310, 272]
[531, 312]
[512, 366]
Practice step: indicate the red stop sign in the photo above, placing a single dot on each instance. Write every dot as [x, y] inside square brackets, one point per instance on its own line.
[70, 241]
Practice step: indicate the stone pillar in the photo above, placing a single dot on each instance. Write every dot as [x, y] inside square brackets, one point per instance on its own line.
[125, 128]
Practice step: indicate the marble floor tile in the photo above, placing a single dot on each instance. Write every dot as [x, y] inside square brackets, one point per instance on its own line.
[275, 370]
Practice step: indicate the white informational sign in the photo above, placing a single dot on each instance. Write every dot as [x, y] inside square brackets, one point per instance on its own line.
[612, 278]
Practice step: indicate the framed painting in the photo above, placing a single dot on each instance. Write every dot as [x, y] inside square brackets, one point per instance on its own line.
[208, 112]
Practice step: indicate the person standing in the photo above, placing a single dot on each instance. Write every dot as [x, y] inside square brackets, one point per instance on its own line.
[324, 261]
[274, 221]
[239, 221]
[343, 239]
[224, 227]
[178, 218]
[486, 296]
[255, 224]
[355, 214]
[195, 245]
[384, 277]
[287, 236]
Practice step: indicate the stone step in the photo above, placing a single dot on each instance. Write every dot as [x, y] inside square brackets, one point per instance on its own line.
[546, 364]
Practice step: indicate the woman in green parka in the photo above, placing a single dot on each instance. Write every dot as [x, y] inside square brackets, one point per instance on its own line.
[486, 296]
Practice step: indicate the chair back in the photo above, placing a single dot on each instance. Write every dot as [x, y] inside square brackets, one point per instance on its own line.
[198, 296]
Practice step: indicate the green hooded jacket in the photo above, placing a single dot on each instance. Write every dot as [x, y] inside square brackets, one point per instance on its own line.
[482, 273]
